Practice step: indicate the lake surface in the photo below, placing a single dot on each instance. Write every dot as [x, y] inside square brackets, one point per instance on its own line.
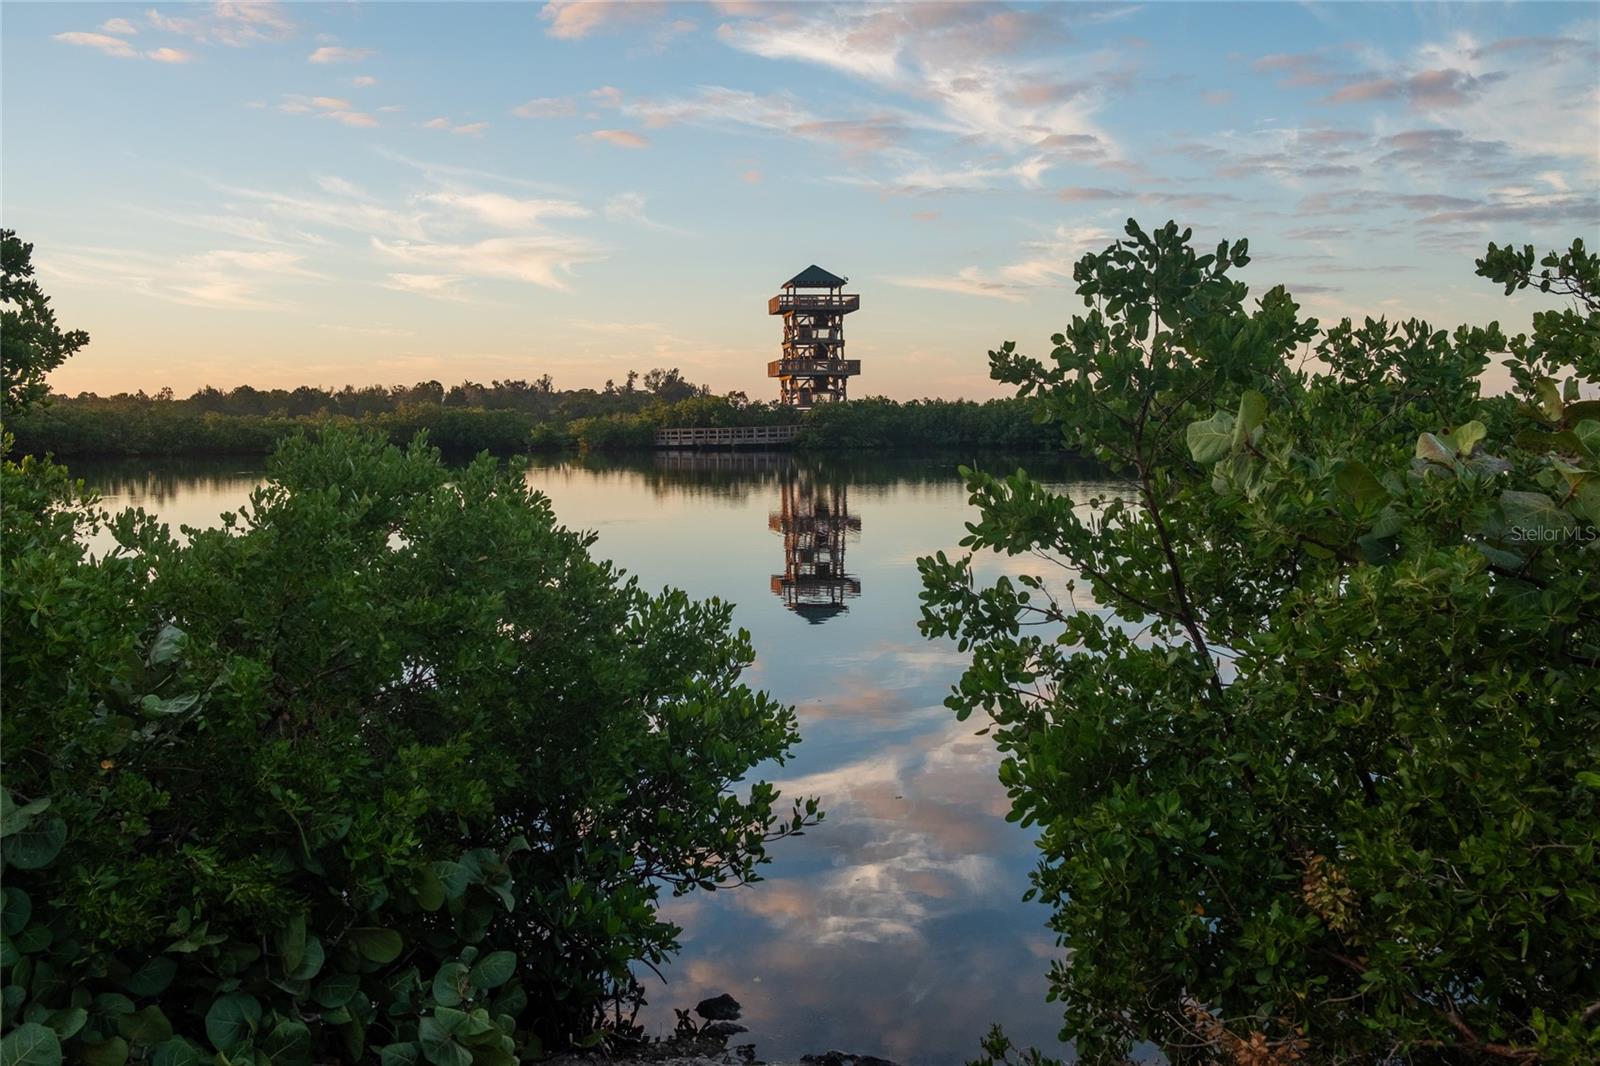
[897, 928]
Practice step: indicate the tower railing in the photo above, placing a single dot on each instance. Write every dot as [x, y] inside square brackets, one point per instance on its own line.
[807, 367]
[826, 301]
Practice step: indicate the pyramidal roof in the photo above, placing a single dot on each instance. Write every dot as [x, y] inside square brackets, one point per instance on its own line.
[814, 277]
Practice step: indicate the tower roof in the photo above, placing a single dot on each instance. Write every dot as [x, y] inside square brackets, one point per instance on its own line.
[814, 277]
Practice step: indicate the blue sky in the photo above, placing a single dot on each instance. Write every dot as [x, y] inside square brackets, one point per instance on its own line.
[279, 194]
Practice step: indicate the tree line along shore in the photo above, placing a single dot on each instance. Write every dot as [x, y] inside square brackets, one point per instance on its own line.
[502, 418]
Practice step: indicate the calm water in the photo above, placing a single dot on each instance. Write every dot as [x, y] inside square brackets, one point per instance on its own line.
[897, 928]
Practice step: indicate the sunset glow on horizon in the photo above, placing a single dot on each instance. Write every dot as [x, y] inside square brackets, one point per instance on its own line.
[331, 194]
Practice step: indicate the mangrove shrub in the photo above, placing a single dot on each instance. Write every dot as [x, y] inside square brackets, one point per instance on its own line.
[1310, 732]
[387, 765]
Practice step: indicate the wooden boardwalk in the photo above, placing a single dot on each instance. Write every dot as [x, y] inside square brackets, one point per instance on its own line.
[727, 437]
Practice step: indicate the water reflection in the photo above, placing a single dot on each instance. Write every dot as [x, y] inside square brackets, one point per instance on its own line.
[814, 520]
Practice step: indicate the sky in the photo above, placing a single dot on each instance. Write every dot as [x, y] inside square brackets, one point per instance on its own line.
[357, 193]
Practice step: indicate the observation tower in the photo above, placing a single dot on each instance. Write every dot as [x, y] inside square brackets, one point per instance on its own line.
[813, 304]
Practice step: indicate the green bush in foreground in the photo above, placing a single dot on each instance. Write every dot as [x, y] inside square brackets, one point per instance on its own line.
[387, 765]
[1314, 754]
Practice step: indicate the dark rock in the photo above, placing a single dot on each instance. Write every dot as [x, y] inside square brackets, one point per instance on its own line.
[844, 1058]
[723, 1008]
[724, 1029]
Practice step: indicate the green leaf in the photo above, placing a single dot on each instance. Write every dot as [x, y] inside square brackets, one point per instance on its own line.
[1543, 442]
[31, 1044]
[1252, 413]
[454, 877]
[178, 1052]
[438, 1047]
[289, 1043]
[36, 844]
[353, 1034]
[15, 910]
[1212, 439]
[113, 1003]
[1534, 515]
[33, 939]
[493, 1056]
[14, 816]
[447, 984]
[429, 889]
[1549, 396]
[231, 1022]
[1359, 483]
[1589, 778]
[291, 941]
[152, 978]
[1434, 450]
[398, 1055]
[1500, 557]
[168, 646]
[1588, 434]
[337, 989]
[66, 1022]
[450, 1019]
[1583, 409]
[311, 960]
[148, 1026]
[494, 969]
[1467, 436]
[378, 945]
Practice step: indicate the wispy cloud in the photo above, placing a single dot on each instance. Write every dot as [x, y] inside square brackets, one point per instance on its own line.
[333, 108]
[1046, 262]
[589, 103]
[121, 48]
[619, 138]
[548, 261]
[329, 53]
[629, 207]
[358, 119]
[470, 129]
[1428, 90]
[100, 42]
[575, 19]
[227, 22]
[506, 212]
[437, 286]
[224, 278]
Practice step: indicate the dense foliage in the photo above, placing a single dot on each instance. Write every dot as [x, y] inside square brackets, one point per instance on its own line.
[466, 418]
[1312, 733]
[388, 765]
[74, 428]
[876, 422]
[31, 344]
[138, 426]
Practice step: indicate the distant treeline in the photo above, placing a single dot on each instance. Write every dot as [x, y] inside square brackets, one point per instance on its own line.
[503, 417]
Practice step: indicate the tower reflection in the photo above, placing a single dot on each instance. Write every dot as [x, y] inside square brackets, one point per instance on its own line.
[815, 522]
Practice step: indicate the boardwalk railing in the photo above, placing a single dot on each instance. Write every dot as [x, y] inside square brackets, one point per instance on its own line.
[724, 436]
